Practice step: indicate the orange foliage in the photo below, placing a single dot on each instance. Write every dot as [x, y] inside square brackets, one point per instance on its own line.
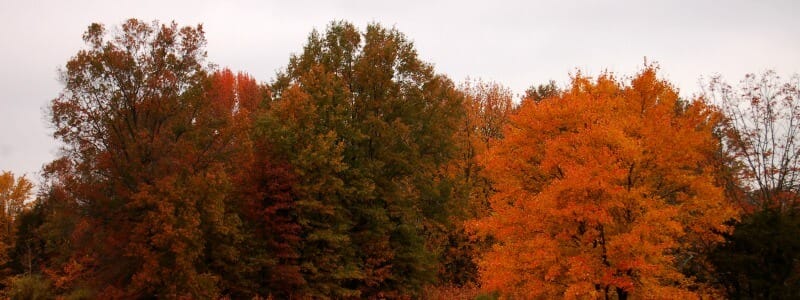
[13, 193]
[602, 190]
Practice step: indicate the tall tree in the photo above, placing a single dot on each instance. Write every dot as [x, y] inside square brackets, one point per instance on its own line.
[487, 106]
[141, 163]
[377, 127]
[601, 192]
[327, 256]
[262, 194]
[762, 133]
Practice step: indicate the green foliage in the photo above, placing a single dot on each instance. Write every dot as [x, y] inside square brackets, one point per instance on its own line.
[29, 247]
[326, 256]
[29, 287]
[367, 126]
[761, 259]
[488, 296]
[541, 92]
[80, 294]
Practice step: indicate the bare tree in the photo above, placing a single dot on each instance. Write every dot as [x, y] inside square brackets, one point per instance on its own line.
[762, 135]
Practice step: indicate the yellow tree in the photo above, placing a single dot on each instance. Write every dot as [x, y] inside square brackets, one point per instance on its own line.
[602, 191]
[13, 193]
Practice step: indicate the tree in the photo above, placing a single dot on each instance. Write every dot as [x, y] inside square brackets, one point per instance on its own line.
[14, 191]
[28, 254]
[327, 257]
[541, 92]
[487, 106]
[262, 194]
[141, 171]
[601, 192]
[759, 259]
[367, 126]
[763, 136]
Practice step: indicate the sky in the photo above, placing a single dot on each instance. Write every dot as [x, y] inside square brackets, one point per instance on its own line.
[515, 43]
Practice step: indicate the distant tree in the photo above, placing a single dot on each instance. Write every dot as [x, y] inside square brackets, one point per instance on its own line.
[760, 259]
[762, 133]
[601, 191]
[541, 92]
[28, 254]
[488, 106]
[14, 191]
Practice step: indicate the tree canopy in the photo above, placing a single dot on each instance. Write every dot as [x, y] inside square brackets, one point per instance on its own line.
[359, 172]
[369, 126]
[600, 191]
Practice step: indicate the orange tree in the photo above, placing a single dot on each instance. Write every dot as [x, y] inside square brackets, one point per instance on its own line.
[603, 191]
[13, 193]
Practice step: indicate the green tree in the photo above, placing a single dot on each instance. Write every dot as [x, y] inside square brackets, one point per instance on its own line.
[761, 258]
[327, 257]
[541, 92]
[368, 127]
[263, 196]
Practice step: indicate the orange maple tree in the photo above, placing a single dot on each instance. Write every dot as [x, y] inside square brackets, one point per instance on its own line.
[601, 192]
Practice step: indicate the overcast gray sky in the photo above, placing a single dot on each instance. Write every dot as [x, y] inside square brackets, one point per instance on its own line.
[516, 43]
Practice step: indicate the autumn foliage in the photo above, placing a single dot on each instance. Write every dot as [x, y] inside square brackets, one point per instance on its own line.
[359, 172]
[13, 193]
[601, 190]
[144, 164]
[761, 258]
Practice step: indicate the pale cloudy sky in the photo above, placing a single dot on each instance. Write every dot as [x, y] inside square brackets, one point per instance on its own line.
[516, 43]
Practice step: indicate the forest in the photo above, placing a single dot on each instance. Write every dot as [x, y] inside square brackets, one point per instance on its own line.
[359, 172]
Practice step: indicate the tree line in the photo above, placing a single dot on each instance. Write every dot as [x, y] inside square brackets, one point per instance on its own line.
[358, 171]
